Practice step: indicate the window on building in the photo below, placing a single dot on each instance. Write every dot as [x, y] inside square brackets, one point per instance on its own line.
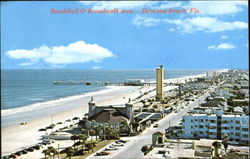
[244, 129]
[212, 121]
[192, 127]
[201, 126]
[237, 128]
[237, 134]
[245, 136]
[224, 122]
[237, 122]
[212, 127]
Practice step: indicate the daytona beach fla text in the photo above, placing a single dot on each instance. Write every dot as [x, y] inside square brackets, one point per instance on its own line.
[116, 10]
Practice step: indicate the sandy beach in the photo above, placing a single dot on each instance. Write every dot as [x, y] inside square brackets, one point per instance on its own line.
[19, 136]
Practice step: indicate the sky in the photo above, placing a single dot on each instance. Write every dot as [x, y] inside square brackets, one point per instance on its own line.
[213, 36]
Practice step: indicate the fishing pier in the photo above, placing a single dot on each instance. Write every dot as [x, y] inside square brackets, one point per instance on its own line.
[107, 83]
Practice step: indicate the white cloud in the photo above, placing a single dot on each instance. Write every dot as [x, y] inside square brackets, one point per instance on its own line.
[247, 45]
[145, 21]
[33, 55]
[130, 4]
[171, 29]
[78, 52]
[224, 37]
[26, 64]
[97, 67]
[223, 46]
[166, 5]
[191, 25]
[118, 4]
[217, 7]
[207, 24]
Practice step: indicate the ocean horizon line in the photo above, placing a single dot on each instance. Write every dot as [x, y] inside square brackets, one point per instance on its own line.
[88, 69]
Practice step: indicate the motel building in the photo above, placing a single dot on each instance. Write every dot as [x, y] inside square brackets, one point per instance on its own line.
[216, 126]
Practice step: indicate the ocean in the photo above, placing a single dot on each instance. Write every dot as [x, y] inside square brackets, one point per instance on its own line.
[22, 88]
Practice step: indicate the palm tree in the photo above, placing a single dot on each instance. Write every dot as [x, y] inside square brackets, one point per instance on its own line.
[85, 131]
[70, 152]
[145, 149]
[90, 146]
[46, 153]
[108, 132]
[217, 147]
[225, 142]
[53, 151]
[74, 138]
[83, 139]
[97, 131]
[91, 132]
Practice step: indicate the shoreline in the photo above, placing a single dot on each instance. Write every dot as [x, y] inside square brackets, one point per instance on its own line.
[29, 134]
[57, 106]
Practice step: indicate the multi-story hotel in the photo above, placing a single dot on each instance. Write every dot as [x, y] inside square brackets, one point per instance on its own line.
[217, 126]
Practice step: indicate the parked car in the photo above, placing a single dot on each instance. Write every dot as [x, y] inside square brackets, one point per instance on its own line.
[102, 153]
[156, 125]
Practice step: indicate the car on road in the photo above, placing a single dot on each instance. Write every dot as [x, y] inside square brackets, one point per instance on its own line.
[156, 125]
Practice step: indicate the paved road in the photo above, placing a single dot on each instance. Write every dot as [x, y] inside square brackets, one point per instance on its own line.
[133, 148]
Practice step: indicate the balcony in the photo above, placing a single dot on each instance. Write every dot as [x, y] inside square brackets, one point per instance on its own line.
[225, 131]
[245, 132]
[212, 136]
[212, 130]
[225, 125]
[212, 124]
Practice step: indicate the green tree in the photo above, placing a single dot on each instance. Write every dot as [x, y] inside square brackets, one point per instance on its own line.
[85, 131]
[97, 131]
[53, 151]
[91, 133]
[46, 153]
[74, 138]
[70, 152]
[89, 146]
[145, 149]
[217, 147]
[225, 143]
[83, 139]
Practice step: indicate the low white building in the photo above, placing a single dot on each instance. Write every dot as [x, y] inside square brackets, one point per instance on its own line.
[216, 126]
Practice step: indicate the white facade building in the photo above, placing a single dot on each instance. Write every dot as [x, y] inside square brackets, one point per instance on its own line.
[217, 126]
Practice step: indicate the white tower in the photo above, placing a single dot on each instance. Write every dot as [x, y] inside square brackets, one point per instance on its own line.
[159, 83]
